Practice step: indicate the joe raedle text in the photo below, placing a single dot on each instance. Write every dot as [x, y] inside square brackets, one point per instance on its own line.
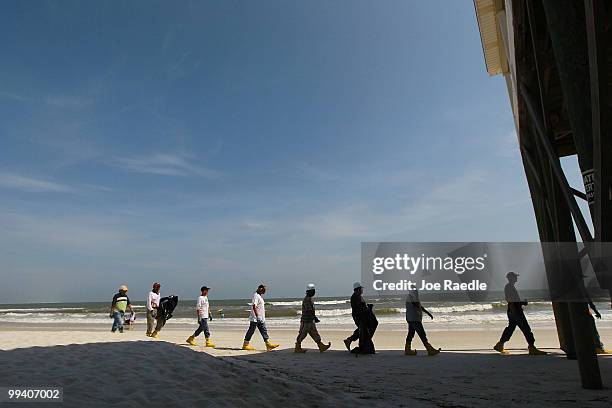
[446, 285]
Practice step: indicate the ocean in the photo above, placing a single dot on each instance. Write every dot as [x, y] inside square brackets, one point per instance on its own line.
[331, 311]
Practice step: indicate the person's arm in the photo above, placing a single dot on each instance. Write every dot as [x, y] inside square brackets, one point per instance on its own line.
[254, 307]
[113, 304]
[427, 312]
[594, 309]
[129, 305]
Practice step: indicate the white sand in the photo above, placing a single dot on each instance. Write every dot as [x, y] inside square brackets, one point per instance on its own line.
[97, 368]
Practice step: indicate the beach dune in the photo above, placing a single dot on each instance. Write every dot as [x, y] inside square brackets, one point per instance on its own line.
[97, 368]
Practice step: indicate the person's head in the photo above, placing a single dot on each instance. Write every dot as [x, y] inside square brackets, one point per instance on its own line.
[204, 289]
[123, 289]
[156, 287]
[310, 289]
[261, 289]
[512, 277]
[357, 288]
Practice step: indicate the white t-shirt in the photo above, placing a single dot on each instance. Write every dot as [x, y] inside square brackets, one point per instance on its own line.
[152, 298]
[258, 302]
[202, 307]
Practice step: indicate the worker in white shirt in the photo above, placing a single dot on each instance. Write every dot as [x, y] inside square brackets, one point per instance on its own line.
[152, 304]
[258, 320]
[203, 312]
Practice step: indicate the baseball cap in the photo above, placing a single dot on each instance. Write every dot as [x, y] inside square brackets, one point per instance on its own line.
[310, 286]
[357, 285]
[509, 274]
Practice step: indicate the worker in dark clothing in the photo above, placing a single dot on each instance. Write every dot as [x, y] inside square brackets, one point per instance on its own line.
[516, 317]
[599, 347]
[364, 319]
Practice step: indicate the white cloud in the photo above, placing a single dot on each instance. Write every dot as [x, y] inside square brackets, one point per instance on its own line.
[165, 164]
[32, 185]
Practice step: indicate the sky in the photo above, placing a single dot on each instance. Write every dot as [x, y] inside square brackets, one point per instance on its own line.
[230, 143]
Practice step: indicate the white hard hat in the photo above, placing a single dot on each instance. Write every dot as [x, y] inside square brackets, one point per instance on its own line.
[310, 286]
[357, 285]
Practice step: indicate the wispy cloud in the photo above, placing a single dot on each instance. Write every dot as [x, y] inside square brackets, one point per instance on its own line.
[165, 164]
[32, 185]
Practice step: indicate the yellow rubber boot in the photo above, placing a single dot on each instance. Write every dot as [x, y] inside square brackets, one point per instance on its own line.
[247, 346]
[499, 347]
[270, 346]
[323, 347]
[155, 335]
[534, 351]
[431, 351]
[298, 348]
[209, 343]
[191, 341]
[408, 351]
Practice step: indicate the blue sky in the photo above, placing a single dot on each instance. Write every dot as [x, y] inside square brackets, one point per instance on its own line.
[230, 143]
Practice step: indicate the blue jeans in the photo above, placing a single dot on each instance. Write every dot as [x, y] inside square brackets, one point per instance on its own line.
[262, 329]
[117, 320]
[202, 328]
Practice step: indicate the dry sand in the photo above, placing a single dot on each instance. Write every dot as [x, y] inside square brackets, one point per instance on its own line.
[97, 368]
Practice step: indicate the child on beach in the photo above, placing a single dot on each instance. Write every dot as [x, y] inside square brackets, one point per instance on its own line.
[203, 312]
[258, 320]
[414, 317]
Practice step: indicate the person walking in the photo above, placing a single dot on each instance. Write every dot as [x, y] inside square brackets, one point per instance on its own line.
[516, 317]
[414, 317]
[164, 313]
[152, 305]
[364, 319]
[308, 323]
[257, 320]
[121, 302]
[203, 312]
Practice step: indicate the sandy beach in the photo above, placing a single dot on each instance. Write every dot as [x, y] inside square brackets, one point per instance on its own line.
[98, 368]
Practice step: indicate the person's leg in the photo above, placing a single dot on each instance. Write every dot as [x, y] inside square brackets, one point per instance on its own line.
[411, 331]
[522, 323]
[199, 330]
[263, 330]
[598, 343]
[204, 325]
[160, 323]
[116, 320]
[119, 317]
[420, 330]
[150, 322]
[250, 331]
[355, 335]
[507, 333]
[302, 333]
[313, 332]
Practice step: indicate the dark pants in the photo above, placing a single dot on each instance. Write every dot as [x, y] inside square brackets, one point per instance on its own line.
[416, 327]
[598, 342]
[517, 318]
[355, 335]
[202, 328]
[160, 322]
[262, 329]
